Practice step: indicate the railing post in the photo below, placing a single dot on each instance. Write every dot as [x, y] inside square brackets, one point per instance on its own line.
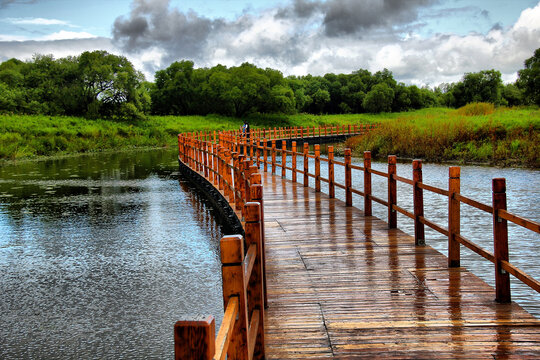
[293, 161]
[331, 186]
[232, 257]
[348, 178]
[453, 217]
[251, 142]
[236, 187]
[255, 288]
[500, 237]
[257, 191]
[418, 201]
[195, 340]
[228, 176]
[306, 164]
[392, 192]
[317, 168]
[205, 157]
[367, 184]
[258, 152]
[265, 155]
[283, 158]
[273, 156]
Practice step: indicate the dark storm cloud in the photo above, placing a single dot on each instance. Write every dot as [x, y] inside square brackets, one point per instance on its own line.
[342, 17]
[5, 3]
[300, 9]
[152, 23]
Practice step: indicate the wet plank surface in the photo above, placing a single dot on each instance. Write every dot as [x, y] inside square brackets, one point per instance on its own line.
[341, 285]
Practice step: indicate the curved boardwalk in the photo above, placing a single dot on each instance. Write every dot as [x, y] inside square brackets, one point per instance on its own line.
[344, 286]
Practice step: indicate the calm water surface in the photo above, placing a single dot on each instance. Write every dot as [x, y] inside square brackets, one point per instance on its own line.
[100, 256]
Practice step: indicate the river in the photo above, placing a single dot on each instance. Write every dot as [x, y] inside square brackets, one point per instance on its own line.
[101, 254]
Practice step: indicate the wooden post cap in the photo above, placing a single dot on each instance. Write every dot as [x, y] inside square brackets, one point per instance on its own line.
[454, 172]
[253, 213]
[256, 178]
[499, 185]
[347, 152]
[232, 249]
[392, 159]
[256, 192]
[417, 164]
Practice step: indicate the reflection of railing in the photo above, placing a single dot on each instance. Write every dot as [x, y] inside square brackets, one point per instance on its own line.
[241, 335]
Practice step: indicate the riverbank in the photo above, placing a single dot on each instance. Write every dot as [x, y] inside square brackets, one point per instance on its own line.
[504, 137]
[31, 136]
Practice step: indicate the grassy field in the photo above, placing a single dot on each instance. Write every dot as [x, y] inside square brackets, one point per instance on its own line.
[501, 136]
[27, 136]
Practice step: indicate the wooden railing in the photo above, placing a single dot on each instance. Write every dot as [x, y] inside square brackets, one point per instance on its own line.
[231, 161]
[497, 210]
[241, 335]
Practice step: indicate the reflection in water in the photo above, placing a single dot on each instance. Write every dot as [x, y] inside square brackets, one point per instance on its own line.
[100, 255]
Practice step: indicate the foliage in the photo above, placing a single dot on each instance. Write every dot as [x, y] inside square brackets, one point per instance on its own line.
[94, 84]
[101, 85]
[507, 136]
[476, 109]
[529, 79]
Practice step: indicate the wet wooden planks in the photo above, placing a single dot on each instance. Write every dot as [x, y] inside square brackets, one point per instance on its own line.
[341, 285]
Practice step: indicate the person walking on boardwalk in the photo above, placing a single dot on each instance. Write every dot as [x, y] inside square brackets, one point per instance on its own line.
[245, 129]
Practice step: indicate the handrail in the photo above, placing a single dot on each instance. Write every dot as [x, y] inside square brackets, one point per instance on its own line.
[230, 161]
[453, 195]
[241, 335]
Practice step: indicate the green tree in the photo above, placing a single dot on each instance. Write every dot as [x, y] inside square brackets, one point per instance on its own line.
[484, 86]
[108, 82]
[379, 98]
[529, 79]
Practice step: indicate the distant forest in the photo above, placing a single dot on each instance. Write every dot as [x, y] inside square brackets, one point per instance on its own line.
[98, 84]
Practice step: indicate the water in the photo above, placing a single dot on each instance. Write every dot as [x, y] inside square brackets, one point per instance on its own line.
[523, 198]
[100, 256]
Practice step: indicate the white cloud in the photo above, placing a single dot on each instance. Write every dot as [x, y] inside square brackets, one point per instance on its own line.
[154, 36]
[38, 21]
[65, 35]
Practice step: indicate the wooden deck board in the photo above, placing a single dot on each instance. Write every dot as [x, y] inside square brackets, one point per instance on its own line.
[341, 285]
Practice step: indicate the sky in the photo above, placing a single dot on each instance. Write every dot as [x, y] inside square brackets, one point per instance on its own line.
[423, 42]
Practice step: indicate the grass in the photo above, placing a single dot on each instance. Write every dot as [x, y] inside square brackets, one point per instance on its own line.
[28, 136]
[503, 136]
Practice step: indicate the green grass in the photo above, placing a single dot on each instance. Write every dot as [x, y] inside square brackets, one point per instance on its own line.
[505, 136]
[27, 136]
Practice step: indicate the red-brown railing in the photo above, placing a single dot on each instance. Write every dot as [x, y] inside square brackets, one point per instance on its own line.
[241, 335]
[231, 161]
[497, 210]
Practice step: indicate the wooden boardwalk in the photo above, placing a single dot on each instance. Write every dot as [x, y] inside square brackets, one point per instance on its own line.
[341, 285]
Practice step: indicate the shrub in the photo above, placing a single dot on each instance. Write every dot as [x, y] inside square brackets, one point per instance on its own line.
[476, 109]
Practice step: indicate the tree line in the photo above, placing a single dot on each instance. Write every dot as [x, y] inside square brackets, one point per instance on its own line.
[99, 84]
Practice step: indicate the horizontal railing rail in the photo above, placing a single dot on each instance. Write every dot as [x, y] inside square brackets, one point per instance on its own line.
[497, 210]
[231, 161]
[241, 335]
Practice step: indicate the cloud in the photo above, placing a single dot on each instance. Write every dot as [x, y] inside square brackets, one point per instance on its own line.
[24, 50]
[6, 3]
[38, 21]
[306, 36]
[151, 22]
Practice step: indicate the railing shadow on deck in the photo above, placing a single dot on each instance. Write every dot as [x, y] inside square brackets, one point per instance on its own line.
[231, 160]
